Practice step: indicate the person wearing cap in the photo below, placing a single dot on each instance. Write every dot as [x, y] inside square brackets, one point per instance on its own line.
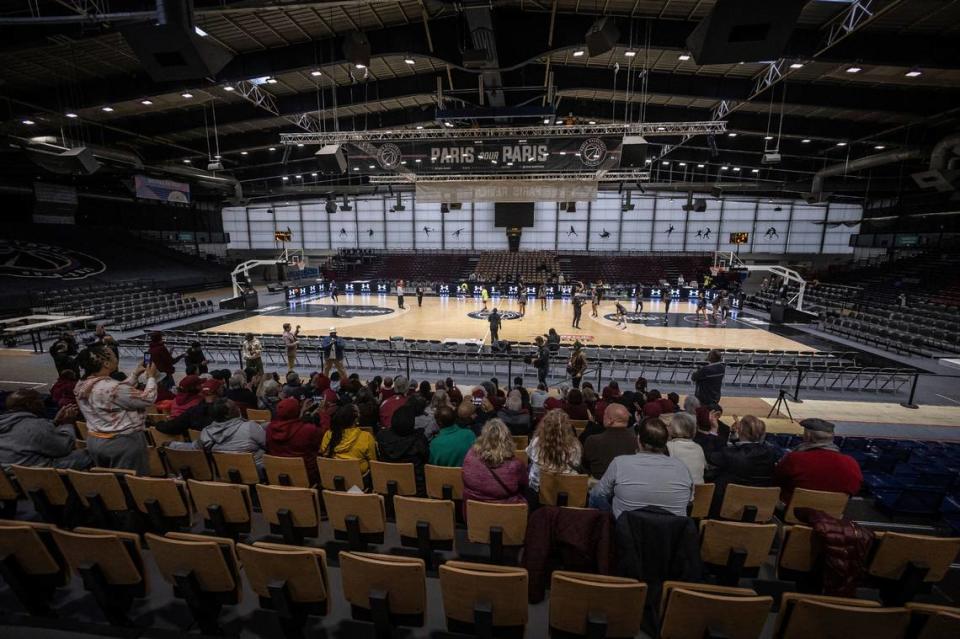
[817, 464]
[188, 395]
[291, 342]
[577, 365]
[333, 347]
[395, 401]
[252, 353]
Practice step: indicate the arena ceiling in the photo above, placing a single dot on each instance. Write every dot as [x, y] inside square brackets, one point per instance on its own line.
[888, 82]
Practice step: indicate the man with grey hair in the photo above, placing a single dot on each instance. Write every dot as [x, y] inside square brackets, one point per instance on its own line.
[748, 461]
[691, 404]
[395, 401]
[818, 464]
[682, 427]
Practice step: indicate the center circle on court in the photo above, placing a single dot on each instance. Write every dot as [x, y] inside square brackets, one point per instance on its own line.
[504, 315]
[634, 318]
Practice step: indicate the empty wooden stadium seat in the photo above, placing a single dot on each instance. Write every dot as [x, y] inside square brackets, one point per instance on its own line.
[101, 494]
[159, 438]
[498, 525]
[903, 563]
[357, 518]
[286, 471]
[259, 415]
[292, 512]
[30, 563]
[931, 621]
[701, 610]
[702, 498]
[236, 468]
[798, 556]
[733, 549]
[203, 572]
[391, 480]
[187, 463]
[163, 502]
[804, 616]
[47, 488]
[520, 442]
[111, 565]
[521, 455]
[388, 590]
[425, 524]
[749, 503]
[9, 494]
[155, 462]
[558, 489]
[339, 474]
[482, 599]
[596, 605]
[226, 508]
[444, 482]
[831, 503]
[292, 581]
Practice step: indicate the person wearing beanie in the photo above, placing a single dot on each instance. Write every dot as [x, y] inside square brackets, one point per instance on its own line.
[288, 435]
[403, 443]
[817, 464]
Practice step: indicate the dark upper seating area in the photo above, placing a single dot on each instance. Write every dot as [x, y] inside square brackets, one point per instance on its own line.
[646, 269]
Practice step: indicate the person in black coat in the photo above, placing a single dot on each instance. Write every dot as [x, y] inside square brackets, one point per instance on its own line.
[404, 444]
[748, 461]
[709, 379]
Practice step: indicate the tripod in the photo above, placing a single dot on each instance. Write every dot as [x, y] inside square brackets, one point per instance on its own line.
[781, 403]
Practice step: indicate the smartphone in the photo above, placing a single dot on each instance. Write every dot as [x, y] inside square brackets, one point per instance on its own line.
[477, 401]
[146, 360]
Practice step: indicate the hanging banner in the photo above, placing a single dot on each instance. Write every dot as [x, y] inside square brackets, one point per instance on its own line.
[507, 191]
[503, 155]
[148, 188]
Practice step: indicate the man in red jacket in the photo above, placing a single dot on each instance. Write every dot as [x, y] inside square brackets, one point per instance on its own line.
[392, 403]
[817, 464]
[288, 435]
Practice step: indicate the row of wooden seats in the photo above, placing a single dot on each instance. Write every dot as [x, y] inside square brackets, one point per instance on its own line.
[483, 599]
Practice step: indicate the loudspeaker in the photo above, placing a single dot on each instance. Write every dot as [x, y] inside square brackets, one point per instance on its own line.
[934, 179]
[744, 31]
[633, 152]
[699, 205]
[170, 49]
[331, 206]
[331, 159]
[77, 161]
[356, 49]
[602, 36]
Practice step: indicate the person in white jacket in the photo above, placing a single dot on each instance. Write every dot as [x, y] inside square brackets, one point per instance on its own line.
[682, 427]
[114, 410]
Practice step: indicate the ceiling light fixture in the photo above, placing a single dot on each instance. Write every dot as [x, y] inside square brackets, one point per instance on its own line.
[661, 128]
[186, 161]
[449, 125]
[186, 95]
[683, 57]
[244, 153]
[418, 161]
[731, 135]
[665, 163]
[285, 178]
[593, 121]
[559, 122]
[755, 171]
[630, 54]
[805, 141]
[879, 147]
[229, 88]
[546, 120]
[316, 73]
[683, 163]
[796, 65]
[841, 144]
[360, 66]
[768, 137]
[273, 148]
[913, 73]
[419, 127]
[272, 80]
[578, 53]
[110, 109]
[409, 61]
[854, 69]
[314, 174]
[736, 169]
[28, 122]
[71, 115]
[724, 168]
[143, 102]
[299, 177]
[700, 166]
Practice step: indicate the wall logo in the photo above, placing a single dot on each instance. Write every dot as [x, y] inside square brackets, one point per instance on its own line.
[593, 151]
[504, 315]
[388, 156]
[35, 259]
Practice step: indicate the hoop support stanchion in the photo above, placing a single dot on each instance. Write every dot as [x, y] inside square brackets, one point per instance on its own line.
[913, 392]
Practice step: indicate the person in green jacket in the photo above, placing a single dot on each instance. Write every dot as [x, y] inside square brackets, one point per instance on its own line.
[451, 443]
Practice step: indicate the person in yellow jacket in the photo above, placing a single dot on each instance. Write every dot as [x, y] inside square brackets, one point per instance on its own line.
[345, 439]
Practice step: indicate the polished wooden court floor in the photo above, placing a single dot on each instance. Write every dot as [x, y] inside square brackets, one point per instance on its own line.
[448, 318]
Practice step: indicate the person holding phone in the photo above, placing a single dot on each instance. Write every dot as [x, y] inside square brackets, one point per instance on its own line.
[291, 343]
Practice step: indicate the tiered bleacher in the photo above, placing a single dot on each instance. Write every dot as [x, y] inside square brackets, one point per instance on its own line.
[648, 269]
[123, 305]
[532, 267]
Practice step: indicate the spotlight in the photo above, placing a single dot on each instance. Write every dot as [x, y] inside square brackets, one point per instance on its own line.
[879, 147]
[805, 141]
[71, 115]
[331, 206]
[346, 205]
[107, 109]
[28, 122]
[630, 54]
[409, 61]
[444, 207]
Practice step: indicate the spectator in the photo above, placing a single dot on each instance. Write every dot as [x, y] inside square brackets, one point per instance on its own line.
[514, 416]
[491, 472]
[615, 440]
[188, 395]
[691, 404]
[294, 387]
[709, 379]
[290, 435]
[524, 394]
[28, 438]
[554, 448]
[682, 428]
[653, 407]
[674, 400]
[422, 421]
[195, 357]
[239, 393]
[394, 401]
[750, 461]
[367, 409]
[196, 417]
[640, 386]
[590, 399]
[402, 443]
[62, 390]
[229, 433]
[539, 396]
[386, 390]
[651, 477]
[575, 408]
[345, 440]
[269, 396]
[425, 391]
[161, 358]
[252, 353]
[817, 464]
[712, 434]
[453, 440]
[64, 353]
[455, 395]
[113, 410]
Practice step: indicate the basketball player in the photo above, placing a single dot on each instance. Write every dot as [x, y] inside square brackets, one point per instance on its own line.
[666, 308]
[702, 307]
[621, 316]
[399, 293]
[542, 294]
[419, 296]
[484, 296]
[638, 301]
[522, 302]
[577, 310]
[595, 302]
[333, 292]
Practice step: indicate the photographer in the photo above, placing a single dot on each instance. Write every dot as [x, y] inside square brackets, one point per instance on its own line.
[577, 364]
[540, 361]
[709, 379]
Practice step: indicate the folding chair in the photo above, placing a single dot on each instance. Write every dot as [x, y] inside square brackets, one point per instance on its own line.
[111, 565]
[831, 503]
[188, 464]
[163, 502]
[286, 471]
[749, 503]
[236, 468]
[391, 480]
[499, 526]
[701, 610]
[733, 550]
[47, 488]
[803, 616]
[587, 605]
[484, 600]
[227, 509]
[387, 590]
[339, 474]
[702, 499]
[798, 557]
[292, 581]
[558, 489]
[357, 518]
[902, 564]
[102, 495]
[203, 572]
[444, 482]
[31, 564]
[155, 463]
[425, 524]
[293, 513]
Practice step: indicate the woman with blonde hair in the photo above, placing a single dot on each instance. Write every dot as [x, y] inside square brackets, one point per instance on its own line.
[554, 449]
[491, 471]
